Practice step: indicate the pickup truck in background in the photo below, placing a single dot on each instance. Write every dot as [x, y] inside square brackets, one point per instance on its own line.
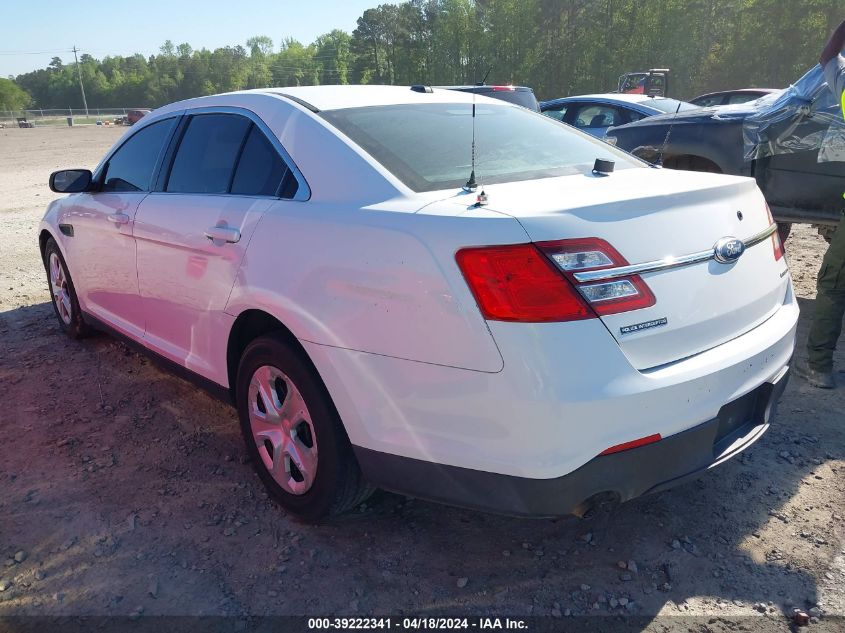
[791, 142]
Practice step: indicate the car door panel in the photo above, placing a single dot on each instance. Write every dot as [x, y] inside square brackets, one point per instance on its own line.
[797, 180]
[102, 249]
[185, 278]
[192, 234]
[103, 255]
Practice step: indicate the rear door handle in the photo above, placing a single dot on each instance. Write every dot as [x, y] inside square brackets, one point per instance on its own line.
[223, 234]
[118, 218]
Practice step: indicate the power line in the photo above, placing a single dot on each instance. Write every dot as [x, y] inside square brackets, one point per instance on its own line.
[64, 50]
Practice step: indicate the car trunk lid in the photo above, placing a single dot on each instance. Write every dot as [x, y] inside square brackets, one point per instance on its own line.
[651, 215]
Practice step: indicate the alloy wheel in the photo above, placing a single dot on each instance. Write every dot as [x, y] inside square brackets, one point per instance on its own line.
[59, 286]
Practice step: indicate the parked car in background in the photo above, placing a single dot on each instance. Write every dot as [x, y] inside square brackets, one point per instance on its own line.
[520, 95]
[313, 257]
[790, 141]
[731, 97]
[594, 114]
[133, 116]
[653, 82]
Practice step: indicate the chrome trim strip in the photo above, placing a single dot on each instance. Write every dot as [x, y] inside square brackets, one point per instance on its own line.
[761, 236]
[666, 263]
[645, 267]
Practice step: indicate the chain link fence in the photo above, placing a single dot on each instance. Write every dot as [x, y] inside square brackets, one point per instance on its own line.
[40, 118]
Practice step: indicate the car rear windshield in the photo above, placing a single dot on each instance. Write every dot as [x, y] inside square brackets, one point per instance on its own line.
[669, 105]
[429, 146]
[524, 98]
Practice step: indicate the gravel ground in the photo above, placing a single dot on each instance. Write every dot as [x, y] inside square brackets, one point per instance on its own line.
[126, 491]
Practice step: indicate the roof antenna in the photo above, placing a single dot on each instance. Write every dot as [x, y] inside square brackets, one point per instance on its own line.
[483, 82]
[471, 184]
[659, 161]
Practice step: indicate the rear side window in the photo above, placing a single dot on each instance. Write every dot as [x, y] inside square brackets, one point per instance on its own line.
[260, 169]
[556, 112]
[598, 116]
[524, 98]
[131, 167]
[207, 154]
[708, 102]
[741, 97]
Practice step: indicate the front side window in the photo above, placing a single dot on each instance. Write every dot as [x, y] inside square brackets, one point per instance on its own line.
[131, 167]
[429, 146]
[207, 154]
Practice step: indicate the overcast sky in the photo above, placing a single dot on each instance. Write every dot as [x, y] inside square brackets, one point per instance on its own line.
[32, 34]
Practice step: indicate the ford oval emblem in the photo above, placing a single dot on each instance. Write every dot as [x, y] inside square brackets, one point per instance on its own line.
[728, 250]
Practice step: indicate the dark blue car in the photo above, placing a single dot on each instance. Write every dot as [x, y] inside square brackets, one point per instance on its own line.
[594, 114]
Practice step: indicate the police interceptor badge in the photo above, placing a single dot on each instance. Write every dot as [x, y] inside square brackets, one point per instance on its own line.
[647, 325]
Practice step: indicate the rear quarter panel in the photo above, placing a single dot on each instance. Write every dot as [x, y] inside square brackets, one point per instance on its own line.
[373, 280]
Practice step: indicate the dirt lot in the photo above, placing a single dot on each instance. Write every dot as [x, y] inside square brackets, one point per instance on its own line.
[124, 490]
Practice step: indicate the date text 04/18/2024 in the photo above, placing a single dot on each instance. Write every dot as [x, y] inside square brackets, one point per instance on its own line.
[418, 623]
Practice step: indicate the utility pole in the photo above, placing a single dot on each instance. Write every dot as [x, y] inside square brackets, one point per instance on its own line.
[81, 88]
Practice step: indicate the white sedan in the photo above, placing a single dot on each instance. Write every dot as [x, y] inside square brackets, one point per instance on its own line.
[564, 331]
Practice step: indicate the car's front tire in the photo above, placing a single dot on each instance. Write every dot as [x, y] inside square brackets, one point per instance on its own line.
[293, 433]
[63, 293]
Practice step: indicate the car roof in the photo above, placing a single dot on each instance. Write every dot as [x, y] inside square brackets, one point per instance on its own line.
[610, 96]
[739, 91]
[489, 88]
[355, 96]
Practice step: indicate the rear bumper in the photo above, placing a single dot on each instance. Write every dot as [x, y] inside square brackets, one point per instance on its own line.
[624, 475]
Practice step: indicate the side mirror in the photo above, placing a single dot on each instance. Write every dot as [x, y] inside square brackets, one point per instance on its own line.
[70, 180]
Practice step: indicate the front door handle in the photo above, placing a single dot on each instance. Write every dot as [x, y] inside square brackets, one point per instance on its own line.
[118, 218]
[223, 234]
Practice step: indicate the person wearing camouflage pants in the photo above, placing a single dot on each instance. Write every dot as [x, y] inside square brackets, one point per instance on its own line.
[830, 297]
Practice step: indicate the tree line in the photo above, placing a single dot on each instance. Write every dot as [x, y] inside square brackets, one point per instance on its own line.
[558, 47]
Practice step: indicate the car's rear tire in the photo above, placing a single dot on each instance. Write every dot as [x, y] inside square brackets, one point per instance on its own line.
[293, 433]
[63, 293]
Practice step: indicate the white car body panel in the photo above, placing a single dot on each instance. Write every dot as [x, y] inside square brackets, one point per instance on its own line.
[105, 252]
[566, 393]
[651, 214]
[363, 274]
[385, 283]
[185, 279]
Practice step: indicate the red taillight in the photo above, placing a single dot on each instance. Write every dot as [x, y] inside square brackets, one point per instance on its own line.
[609, 296]
[503, 88]
[618, 448]
[517, 283]
[536, 282]
[776, 244]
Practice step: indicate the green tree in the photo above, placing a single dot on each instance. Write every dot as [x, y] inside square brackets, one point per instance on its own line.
[332, 57]
[559, 47]
[12, 97]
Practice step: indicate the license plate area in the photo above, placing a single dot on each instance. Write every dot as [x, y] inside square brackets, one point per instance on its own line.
[738, 417]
